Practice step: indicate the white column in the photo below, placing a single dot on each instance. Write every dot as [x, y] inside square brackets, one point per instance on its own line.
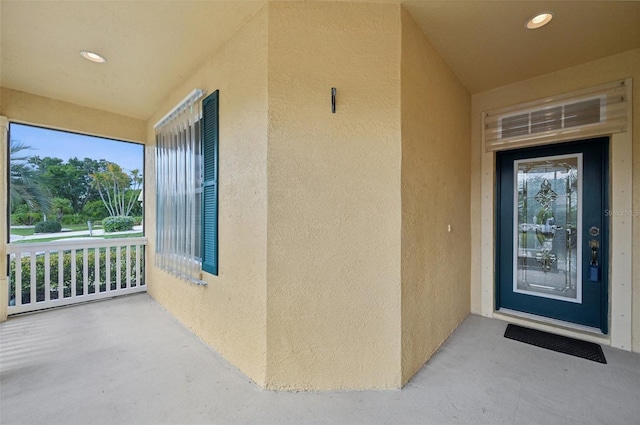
[621, 216]
[4, 288]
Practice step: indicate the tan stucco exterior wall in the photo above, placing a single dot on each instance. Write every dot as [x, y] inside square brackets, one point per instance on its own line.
[436, 125]
[333, 287]
[29, 108]
[229, 313]
[625, 65]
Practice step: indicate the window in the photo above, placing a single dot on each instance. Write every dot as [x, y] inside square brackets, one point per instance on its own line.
[590, 112]
[179, 190]
[187, 189]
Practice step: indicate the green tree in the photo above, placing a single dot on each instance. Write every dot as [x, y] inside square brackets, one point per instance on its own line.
[95, 210]
[118, 190]
[25, 182]
[60, 207]
[70, 180]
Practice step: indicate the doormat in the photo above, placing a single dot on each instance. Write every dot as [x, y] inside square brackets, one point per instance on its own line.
[559, 343]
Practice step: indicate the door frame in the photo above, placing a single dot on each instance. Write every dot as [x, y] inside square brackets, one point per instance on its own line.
[620, 237]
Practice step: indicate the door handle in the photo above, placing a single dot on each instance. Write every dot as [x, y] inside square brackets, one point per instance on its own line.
[594, 270]
[593, 243]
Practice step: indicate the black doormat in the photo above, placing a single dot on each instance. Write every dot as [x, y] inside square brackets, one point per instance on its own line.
[559, 343]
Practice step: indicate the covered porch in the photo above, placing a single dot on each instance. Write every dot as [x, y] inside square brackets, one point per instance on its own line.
[127, 360]
[353, 237]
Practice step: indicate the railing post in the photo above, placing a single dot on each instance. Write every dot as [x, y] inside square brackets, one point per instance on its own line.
[118, 269]
[33, 283]
[107, 259]
[47, 276]
[128, 262]
[96, 270]
[73, 272]
[60, 274]
[137, 265]
[18, 277]
[85, 271]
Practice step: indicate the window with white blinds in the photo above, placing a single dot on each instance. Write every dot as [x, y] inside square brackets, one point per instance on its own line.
[591, 112]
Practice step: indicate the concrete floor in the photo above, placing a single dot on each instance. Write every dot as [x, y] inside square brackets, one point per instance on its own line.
[127, 361]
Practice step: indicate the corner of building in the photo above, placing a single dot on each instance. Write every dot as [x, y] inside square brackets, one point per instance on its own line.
[333, 319]
[436, 168]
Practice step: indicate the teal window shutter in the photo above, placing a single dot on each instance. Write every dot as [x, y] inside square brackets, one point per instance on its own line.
[210, 187]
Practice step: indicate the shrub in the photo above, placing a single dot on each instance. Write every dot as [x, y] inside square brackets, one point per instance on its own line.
[137, 220]
[117, 224]
[94, 210]
[25, 218]
[21, 208]
[48, 227]
[60, 207]
[73, 219]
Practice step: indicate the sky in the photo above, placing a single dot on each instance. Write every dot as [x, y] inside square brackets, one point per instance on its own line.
[60, 144]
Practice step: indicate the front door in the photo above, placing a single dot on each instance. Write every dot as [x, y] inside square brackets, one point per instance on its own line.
[552, 232]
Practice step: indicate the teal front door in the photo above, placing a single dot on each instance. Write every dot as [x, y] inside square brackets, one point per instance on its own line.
[552, 232]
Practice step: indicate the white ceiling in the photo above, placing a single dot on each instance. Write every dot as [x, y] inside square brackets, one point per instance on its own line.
[41, 41]
[487, 45]
[484, 42]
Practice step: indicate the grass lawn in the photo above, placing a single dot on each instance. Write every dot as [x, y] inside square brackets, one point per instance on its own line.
[126, 235]
[22, 232]
[75, 227]
[68, 227]
[120, 236]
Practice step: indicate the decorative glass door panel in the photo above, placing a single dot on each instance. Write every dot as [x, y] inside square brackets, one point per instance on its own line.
[547, 234]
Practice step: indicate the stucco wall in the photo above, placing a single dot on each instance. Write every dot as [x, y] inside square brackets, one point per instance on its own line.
[29, 108]
[436, 129]
[612, 68]
[228, 313]
[333, 294]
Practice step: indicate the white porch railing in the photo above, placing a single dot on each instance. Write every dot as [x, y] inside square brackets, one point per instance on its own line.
[51, 274]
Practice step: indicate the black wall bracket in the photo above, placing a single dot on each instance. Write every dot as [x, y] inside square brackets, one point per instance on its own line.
[333, 100]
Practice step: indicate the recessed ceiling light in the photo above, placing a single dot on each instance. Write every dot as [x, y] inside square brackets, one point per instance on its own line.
[540, 20]
[93, 57]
